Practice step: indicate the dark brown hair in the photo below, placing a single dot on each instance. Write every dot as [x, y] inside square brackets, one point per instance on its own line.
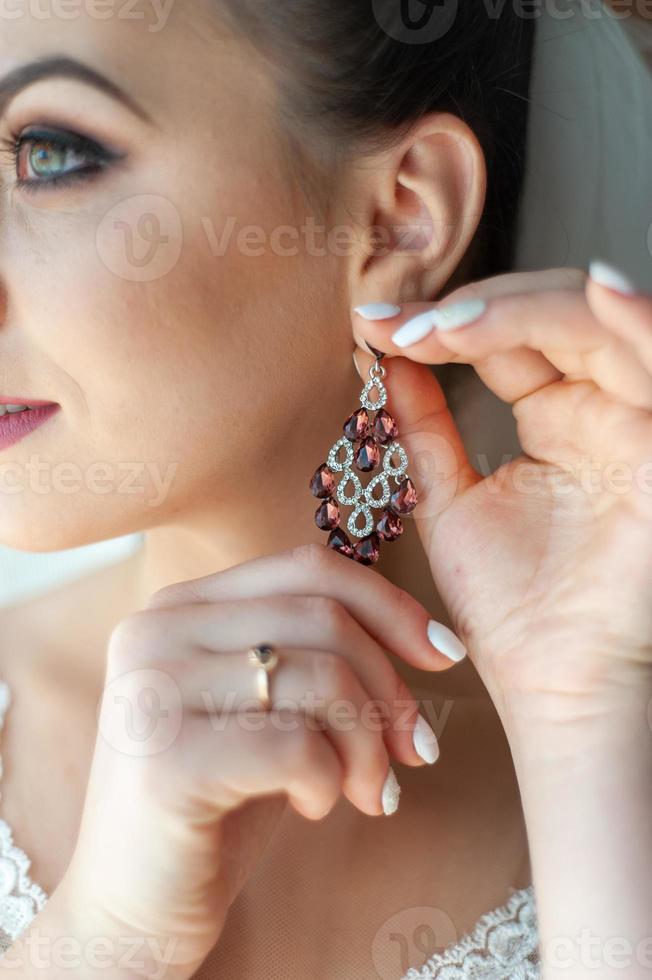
[355, 74]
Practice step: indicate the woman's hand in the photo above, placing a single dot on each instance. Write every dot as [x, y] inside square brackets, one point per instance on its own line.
[189, 775]
[546, 565]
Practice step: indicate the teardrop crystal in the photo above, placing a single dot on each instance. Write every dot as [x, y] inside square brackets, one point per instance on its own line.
[367, 550]
[385, 428]
[367, 456]
[404, 499]
[390, 526]
[357, 425]
[327, 516]
[338, 540]
[323, 482]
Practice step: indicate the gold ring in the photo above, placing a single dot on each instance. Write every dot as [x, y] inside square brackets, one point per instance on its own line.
[265, 658]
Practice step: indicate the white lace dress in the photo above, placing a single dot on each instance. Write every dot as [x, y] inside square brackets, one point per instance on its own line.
[20, 897]
[502, 946]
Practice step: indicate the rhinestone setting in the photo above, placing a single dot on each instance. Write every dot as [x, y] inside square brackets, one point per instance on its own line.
[373, 430]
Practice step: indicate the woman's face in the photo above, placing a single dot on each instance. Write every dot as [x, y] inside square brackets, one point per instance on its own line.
[157, 281]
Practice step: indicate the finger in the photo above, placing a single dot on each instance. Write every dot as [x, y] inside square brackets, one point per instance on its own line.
[510, 376]
[396, 620]
[596, 439]
[439, 465]
[286, 622]
[562, 326]
[316, 683]
[557, 324]
[503, 285]
[629, 316]
[365, 329]
[517, 372]
[271, 753]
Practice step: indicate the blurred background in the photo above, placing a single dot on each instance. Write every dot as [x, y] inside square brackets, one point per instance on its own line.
[24, 575]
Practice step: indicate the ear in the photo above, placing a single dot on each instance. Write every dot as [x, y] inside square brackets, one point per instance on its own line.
[419, 205]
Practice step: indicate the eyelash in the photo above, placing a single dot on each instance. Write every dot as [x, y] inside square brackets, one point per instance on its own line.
[61, 140]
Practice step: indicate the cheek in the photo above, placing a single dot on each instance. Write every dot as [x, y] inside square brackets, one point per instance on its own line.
[182, 367]
[197, 366]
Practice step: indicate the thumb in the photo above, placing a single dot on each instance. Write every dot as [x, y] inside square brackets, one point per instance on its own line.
[437, 461]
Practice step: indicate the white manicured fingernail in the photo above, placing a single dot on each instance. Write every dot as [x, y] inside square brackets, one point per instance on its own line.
[415, 329]
[445, 641]
[606, 275]
[458, 314]
[441, 319]
[377, 311]
[391, 793]
[425, 740]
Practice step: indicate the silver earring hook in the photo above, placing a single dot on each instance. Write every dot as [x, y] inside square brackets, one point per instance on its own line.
[377, 370]
[378, 354]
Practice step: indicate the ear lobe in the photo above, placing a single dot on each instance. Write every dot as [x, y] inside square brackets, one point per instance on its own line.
[428, 217]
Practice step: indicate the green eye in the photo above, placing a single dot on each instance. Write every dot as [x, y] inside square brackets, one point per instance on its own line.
[48, 157]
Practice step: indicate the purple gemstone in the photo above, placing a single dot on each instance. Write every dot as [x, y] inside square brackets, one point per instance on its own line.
[338, 540]
[390, 526]
[404, 500]
[357, 425]
[367, 455]
[385, 428]
[323, 482]
[367, 550]
[327, 516]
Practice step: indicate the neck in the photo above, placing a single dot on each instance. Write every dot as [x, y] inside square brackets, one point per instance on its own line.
[271, 514]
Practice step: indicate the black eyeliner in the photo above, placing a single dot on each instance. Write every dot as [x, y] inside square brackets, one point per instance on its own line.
[65, 140]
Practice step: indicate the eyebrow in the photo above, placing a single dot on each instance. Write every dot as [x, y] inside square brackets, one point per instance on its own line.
[62, 67]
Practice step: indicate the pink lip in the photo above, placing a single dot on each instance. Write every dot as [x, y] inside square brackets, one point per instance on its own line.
[23, 401]
[16, 426]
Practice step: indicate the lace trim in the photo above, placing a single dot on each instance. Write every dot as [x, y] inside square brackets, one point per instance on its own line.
[20, 898]
[502, 946]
